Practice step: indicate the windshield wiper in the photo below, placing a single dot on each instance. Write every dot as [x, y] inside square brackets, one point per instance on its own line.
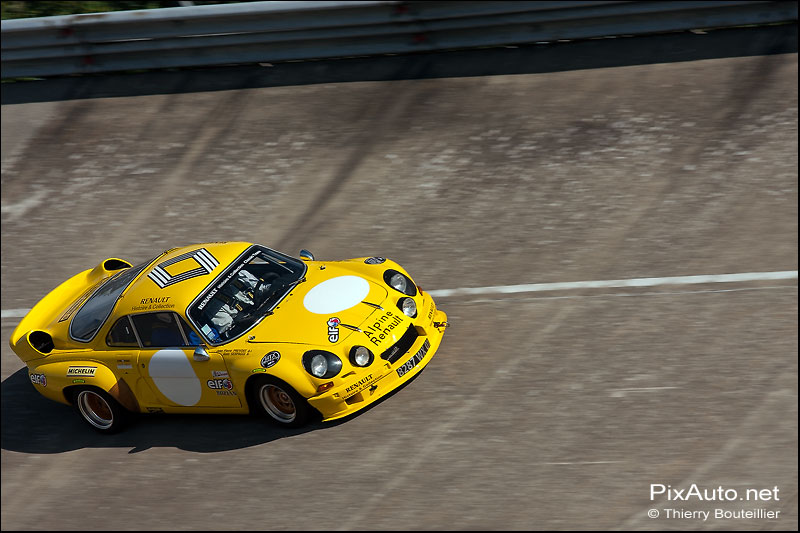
[285, 289]
[296, 282]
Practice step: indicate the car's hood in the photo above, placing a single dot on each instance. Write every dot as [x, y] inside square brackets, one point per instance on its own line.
[333, 304]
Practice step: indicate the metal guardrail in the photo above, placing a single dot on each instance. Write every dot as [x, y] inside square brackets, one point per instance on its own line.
[266, 32]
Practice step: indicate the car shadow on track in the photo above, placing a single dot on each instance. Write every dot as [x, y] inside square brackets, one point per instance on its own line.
[32, 423]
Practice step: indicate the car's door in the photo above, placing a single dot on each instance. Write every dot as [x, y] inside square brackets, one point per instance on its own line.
[167, 363]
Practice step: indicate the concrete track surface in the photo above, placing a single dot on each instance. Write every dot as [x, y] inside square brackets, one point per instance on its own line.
[547, 410]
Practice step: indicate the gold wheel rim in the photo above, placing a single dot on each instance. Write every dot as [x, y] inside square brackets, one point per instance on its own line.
[278, 403]
[95, 409]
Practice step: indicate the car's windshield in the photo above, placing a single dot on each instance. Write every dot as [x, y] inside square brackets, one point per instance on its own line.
[97, 308]
[245, 293]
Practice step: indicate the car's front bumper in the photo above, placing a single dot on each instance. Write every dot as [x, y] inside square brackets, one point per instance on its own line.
[382, 377]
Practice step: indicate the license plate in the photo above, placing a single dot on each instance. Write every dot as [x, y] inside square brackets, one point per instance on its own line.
[414, 361]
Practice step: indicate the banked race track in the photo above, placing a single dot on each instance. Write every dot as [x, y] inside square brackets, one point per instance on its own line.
[614, 241]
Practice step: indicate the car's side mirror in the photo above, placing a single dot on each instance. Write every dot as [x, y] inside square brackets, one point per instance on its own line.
[200, 353]
[305, 255]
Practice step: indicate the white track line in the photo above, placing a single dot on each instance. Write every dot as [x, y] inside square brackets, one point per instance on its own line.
[506, 299]
[14, 313]
[633, 282]
[620, 393]
[581, 463]
[569, 285]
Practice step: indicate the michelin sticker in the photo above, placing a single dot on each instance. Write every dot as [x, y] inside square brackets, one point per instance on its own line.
[83, 371]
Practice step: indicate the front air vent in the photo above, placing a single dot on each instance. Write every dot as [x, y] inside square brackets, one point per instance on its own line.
[398, 349]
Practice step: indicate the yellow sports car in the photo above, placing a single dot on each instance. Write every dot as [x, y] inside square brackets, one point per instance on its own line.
[229, 327]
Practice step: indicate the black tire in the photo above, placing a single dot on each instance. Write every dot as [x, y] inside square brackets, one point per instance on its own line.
[99, 409]
[280, 403]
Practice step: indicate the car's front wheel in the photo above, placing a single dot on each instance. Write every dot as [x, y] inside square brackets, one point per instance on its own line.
[99, 409]
[280, 402]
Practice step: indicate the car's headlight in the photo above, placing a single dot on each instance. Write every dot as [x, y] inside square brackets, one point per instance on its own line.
[361, 356]
[321, 364]
[400, 282]
[408, 306]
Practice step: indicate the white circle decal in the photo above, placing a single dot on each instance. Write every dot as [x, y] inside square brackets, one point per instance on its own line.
[174, 376]
[336, 294]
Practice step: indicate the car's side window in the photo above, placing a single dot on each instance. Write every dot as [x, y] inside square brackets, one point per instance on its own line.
[159, 330]
[122, 335]
[191, 336]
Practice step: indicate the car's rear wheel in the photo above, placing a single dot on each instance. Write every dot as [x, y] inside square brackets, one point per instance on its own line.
[280, 402]
[99, 409]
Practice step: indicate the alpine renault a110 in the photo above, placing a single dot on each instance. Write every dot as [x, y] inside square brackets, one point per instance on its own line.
[229, 327]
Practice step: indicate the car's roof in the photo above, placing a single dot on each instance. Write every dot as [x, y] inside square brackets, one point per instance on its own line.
[174, 279]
